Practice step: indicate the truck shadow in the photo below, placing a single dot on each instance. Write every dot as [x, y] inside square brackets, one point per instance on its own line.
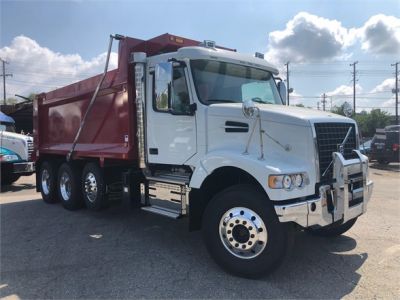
[395, 167]
[16, 187]
[48, 252]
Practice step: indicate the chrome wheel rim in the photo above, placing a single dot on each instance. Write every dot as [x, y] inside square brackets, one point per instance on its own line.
[91, 187]
[243, 232]
[45, 180]
[65, 186]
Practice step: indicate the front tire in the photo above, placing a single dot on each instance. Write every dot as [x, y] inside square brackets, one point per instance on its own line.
[242, 232]
[8, 179]
[68, 187]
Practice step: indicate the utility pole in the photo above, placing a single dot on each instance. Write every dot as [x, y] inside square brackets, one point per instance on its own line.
[323, 101]
[354, 85]
[4, 79]
[318, 105]
[287, 81]
[396, 90]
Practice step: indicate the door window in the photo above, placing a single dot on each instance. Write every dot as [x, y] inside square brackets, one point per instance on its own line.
[179, 102]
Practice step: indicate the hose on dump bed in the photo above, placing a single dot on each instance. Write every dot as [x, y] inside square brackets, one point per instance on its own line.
[112, 37]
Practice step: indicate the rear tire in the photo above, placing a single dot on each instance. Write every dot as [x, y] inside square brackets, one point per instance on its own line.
[334, 229]
[93, 187]
[48, 180]
[242, 232]
[68, 187]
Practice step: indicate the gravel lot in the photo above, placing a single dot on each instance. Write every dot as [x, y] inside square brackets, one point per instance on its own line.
[48, 252]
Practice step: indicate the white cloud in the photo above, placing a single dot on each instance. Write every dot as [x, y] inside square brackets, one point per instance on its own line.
[309, 38]
[378, 97]
[381, 35]
[344, 90]
[386, 86]
[39, 69]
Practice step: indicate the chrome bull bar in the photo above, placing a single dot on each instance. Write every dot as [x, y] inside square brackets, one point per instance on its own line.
[344, 200]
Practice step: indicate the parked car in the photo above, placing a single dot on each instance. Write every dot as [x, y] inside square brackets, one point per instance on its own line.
[385, 145]
[365, 148]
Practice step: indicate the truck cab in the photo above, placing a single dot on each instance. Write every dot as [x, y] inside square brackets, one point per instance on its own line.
[15, 152]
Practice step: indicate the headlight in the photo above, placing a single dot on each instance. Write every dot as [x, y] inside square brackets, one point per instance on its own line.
[10, 157]
[298, 180]
[287, 181]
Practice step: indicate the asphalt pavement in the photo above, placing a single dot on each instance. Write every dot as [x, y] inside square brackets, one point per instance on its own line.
[49, 252]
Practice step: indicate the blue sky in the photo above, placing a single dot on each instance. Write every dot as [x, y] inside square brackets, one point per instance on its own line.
[82, 27]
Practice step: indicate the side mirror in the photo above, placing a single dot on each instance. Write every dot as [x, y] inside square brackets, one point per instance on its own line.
[163, 85]
[282, 91]
[248, 108]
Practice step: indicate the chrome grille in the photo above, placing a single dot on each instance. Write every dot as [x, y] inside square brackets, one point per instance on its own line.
[30, 150]
[329, 137]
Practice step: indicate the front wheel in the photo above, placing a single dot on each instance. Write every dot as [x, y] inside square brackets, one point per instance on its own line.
[8, 179]
[242, 232]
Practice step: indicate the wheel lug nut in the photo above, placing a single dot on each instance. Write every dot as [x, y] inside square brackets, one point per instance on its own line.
[244, 246]
[251, 235]
[244, 222]
[231, 239]
[237, 221]
[236, 245]
[250, 243]
[250, 228]
[260, 230]
[231, 225]
[229, 231]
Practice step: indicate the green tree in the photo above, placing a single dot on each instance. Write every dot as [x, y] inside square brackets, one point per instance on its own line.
[369, 122]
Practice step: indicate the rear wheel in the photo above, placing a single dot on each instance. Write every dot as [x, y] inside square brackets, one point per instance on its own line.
[243, 233]
[334, 229]
[47, 180]
[68, 186]
[93, 187]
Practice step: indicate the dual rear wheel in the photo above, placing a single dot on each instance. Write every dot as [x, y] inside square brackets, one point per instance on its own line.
[72, 186]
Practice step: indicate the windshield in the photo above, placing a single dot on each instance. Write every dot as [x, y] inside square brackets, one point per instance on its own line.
[7, 127]
[219, 82]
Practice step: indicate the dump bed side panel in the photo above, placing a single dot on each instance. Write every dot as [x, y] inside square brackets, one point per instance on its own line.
[109, 131]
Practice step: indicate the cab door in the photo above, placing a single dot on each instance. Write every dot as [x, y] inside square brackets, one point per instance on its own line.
[171, 120]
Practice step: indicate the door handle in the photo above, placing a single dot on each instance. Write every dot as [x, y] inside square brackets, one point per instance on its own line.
[153, 151]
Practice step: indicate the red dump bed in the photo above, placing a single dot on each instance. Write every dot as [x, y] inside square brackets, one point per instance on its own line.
[110, 128]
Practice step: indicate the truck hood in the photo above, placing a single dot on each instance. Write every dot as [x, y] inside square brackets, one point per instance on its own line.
[16, 136]
[17, 143]
[280, 114]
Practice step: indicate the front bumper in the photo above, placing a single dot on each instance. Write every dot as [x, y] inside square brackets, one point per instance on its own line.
[344, 200]
[24, 167]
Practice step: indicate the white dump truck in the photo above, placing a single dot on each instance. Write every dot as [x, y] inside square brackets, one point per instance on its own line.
[189, 129]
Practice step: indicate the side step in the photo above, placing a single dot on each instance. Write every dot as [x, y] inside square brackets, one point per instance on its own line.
[161, 211]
